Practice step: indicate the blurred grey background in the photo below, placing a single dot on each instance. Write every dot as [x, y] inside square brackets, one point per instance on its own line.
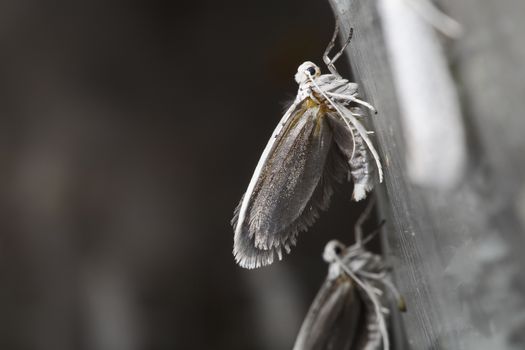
[128, 133]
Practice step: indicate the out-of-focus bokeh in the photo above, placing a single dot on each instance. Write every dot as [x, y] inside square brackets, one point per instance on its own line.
[128, 132]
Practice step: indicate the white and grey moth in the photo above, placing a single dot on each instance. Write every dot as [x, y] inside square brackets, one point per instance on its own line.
[350, 310]
[318, 141]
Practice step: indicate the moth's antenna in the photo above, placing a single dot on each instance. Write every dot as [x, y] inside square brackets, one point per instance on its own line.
[401, 304]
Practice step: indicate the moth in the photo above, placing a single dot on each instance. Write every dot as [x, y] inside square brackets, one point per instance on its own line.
[350, 310]
[318, 142]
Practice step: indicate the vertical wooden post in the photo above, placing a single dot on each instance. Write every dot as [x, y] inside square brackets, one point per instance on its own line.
[456, 243]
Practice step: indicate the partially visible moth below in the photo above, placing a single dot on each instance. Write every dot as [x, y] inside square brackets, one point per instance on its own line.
[318, 142]
[352, 307]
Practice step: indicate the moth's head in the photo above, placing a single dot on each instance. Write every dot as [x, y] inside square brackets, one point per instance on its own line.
[332, 250]
[305, 70]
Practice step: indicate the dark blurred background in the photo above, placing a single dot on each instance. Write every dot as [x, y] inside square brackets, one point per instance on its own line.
[129, 131]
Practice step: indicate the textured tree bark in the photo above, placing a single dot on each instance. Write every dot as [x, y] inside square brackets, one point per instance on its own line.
[455, 231]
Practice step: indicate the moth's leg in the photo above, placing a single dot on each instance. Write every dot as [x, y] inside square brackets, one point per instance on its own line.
[361, 168]
[401, 303]
[352, 98]
[330, 45]
[372, 275]
[357, 111]
[383, 279]
[330, 61]
[358, 227]
[337, 55]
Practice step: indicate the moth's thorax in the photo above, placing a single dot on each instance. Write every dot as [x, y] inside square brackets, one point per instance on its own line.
[334, 271]
[308, 92]
[318, 102]
[328, 83]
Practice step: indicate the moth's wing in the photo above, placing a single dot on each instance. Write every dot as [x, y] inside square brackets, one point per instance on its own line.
[342, 135]
[361, 130]
[289, 181]
[369, 336]
[354, 149]
[333, 319]
[292, 186]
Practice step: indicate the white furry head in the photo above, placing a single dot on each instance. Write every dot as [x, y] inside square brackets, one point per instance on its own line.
[305, 70]
[333, 249]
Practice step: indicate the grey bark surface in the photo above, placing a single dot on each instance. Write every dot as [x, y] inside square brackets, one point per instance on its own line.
[456, 251]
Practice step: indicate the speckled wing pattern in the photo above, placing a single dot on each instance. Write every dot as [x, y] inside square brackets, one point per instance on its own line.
[310, 153]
